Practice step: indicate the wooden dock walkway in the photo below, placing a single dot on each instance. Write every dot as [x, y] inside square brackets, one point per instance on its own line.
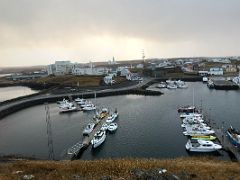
[223, 139]
[80, 146]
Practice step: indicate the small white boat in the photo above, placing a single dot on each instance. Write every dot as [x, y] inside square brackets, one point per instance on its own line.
[89, 108]
[162, 85]
[98, 138]
[205, 79]
[202, 132]
[104, 127]
[80, 101]
[181, 84]
[194, 145]
[186, 115]
[68, 109]
[88, 129]
[86, 104]
[112, 117]
[201, 125]
[112, 127]
[171, 86]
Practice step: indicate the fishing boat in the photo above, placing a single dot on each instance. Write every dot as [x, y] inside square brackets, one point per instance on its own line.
[234, 136]
[187, 109]
[88, 129]
[112, 117]
[98, 138]
[162, 85]
[194, 145]
[69, 108]
[89, 108]
[112, 127]
[208, 138]
[205, 79]
[104, 127]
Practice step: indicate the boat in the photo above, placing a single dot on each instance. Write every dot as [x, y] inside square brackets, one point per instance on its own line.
[104, 127]
[190, 115]
[205, 79]
[181, 84]
[80, 101]
[200, 125]
[187, 109]
[162, 85]
[98, 138]
[88, 129]
[89, 108]
[200, 132]
[86, 104]
[112, 117]
[234, 136]
[192, 120]
[69, 108]
[103, 113]
[208, 138]
[210, 84]
[112, 127]
[171, 86]
[194, 145]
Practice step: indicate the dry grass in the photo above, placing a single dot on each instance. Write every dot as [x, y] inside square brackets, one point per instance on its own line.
[202, 168]
[70, 80]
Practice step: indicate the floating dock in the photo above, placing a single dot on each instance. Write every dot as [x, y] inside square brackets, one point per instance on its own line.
[225, 85]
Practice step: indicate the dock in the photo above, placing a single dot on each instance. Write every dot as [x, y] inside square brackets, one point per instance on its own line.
[225, 85]
[76, 150]
[223, 139]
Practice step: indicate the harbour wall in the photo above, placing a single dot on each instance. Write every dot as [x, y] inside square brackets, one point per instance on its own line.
[32, 101]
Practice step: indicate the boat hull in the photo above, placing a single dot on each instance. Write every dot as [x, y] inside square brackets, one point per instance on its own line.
[232, 140]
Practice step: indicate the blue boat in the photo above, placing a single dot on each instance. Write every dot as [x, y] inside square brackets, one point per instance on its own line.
[234, 136]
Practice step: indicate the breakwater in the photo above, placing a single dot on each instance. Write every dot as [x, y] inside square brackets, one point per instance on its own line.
[15, 106]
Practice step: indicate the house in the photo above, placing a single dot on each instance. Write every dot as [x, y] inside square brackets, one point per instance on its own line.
[229, 68]
[108, 79]
[124, 72]
[139, 66]
[216, 71]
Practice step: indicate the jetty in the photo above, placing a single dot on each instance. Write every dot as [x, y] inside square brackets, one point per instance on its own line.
[225, 85]
[77, 149]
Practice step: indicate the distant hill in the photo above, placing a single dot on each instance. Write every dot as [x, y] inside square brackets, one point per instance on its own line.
[8, 70]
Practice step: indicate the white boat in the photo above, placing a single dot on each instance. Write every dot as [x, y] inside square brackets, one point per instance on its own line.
[89, 108]
[69, 108]
[88, 129]
[162, 85]
[80, 101]
[181, 84]
[112, 127]
[192, 120]
[194, 145]
[171, 86]
[201, 125]
[189, 115]
[64, 103]
[205, 79]
[104, 127]
[198, 132]
[86, 104]
[112, 117]
[98, 138]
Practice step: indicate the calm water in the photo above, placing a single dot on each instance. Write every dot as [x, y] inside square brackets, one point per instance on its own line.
[148, 126]
[7, 93]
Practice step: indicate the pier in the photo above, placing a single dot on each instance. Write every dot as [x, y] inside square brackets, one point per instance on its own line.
[76, 150]
[225, 85]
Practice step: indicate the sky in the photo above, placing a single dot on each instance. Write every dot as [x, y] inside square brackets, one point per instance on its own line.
[34, 32]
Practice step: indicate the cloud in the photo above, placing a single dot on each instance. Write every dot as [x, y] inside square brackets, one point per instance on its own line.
[74, 25]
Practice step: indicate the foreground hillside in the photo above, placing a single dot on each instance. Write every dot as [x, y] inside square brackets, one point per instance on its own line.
[182, 168]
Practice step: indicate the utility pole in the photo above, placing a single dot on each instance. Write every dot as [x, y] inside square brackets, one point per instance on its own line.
[49, 133]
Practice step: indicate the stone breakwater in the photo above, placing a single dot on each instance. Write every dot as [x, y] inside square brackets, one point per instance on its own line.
[14, 106]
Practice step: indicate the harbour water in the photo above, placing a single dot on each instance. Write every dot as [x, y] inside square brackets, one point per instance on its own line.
[149, 127]
[7, 93]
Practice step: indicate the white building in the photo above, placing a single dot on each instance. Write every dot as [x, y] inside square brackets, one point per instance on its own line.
[60, 68]
[216, 71]
[125, 72]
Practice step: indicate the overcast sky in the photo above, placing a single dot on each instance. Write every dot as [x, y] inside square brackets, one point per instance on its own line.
[38, 32]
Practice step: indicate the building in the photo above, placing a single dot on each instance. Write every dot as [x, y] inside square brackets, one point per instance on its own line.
[60, 68]
[124, 72]
[229, 68]
[132, 77]
[216, 71]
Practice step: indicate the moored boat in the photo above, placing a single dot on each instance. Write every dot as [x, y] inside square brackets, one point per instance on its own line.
[112, 117]
[112, 127]
[98, 138]
[234, 136]
[194, 145]
[187, 109]
[208, 138]
[89, 108]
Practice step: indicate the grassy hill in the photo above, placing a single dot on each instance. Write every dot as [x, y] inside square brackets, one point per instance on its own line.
[183, 168]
